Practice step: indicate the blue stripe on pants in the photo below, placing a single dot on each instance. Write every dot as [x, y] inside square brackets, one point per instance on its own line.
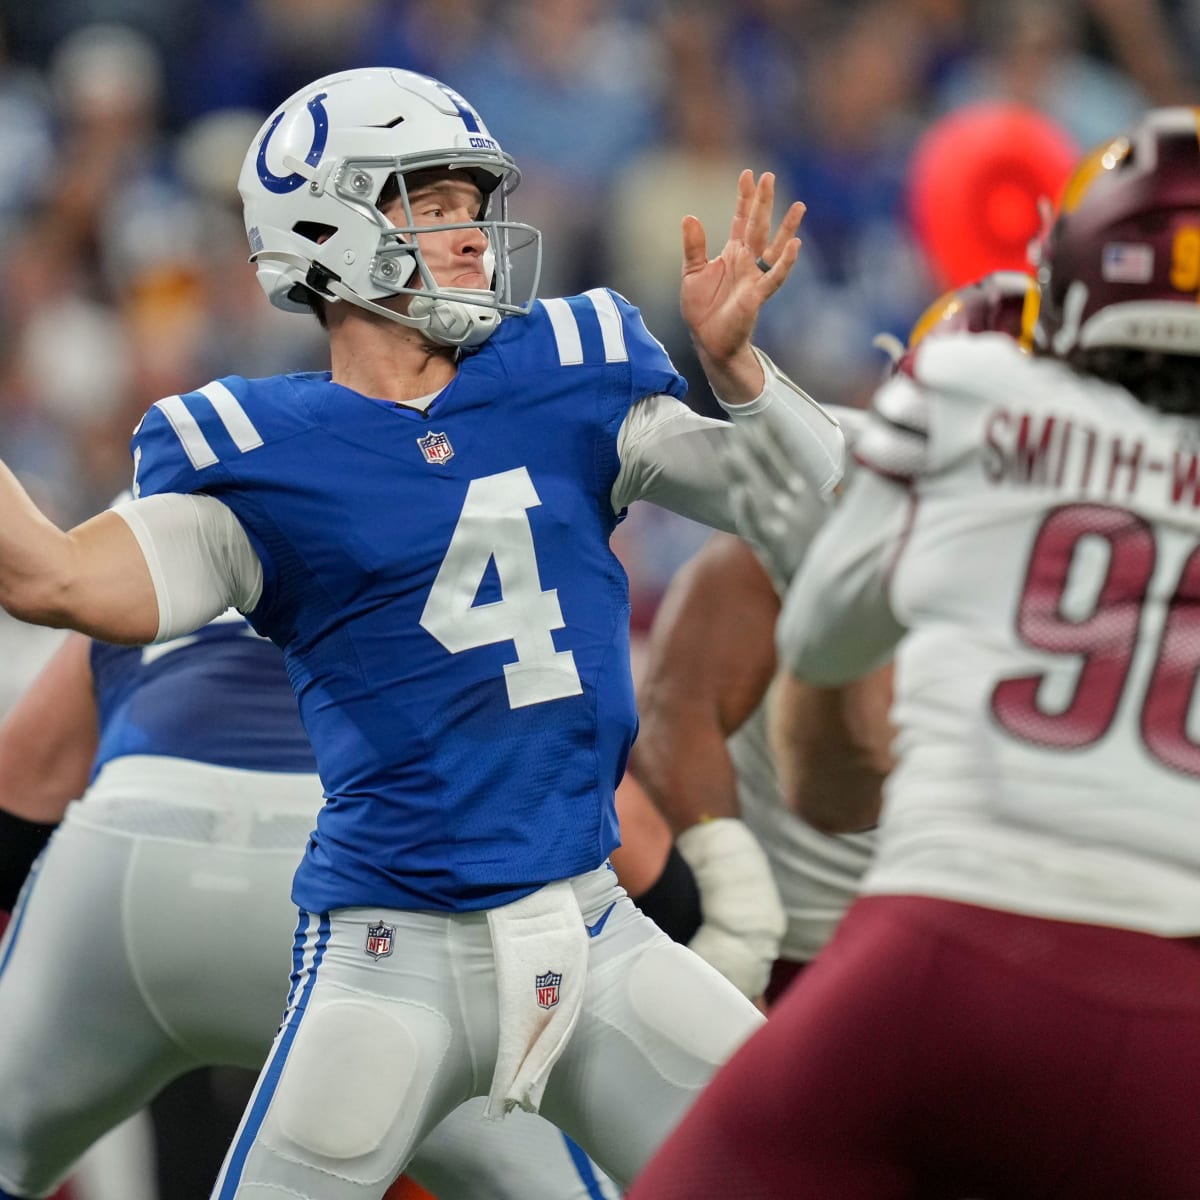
[583, 1165]
[274, 1069]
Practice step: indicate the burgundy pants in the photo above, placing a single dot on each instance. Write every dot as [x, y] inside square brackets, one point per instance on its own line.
[939, 1050]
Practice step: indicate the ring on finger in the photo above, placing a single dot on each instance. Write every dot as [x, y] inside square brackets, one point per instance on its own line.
[762, 264]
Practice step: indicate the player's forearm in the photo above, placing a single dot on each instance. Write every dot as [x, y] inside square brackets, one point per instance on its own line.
[690, 779]
[48, 739]
[837, 624]
[93, 579]
[832, 750]
[36, 558]
[738, 380]
[787, 418]
[678, 459]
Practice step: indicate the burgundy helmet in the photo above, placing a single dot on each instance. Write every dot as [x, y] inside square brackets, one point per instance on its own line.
[995, 303]
[1120, 266]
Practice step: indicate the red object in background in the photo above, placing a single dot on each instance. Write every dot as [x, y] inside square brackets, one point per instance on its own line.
[405, 1189]
[975, 180]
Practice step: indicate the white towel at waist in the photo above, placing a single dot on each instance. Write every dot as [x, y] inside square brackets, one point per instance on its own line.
[541, 951]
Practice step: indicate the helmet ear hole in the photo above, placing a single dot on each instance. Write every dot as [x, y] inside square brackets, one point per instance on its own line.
[314, 231]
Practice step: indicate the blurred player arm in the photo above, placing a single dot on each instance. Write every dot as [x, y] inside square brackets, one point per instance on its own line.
[832, 747]
[837, 628]
[145, 570]
[649, 866]
[710, 659]
[47, 743]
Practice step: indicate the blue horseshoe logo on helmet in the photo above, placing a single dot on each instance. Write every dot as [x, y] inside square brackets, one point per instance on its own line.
[281, 184]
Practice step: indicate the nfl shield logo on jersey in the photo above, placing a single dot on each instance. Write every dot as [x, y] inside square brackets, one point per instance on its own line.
[436, 447]
[379, 940]
[547, 989]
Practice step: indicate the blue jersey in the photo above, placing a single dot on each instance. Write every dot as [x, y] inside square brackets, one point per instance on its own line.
[455, 625]
[220, 696]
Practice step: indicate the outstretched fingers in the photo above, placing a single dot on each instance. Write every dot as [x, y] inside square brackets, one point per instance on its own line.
[743, 206]
[780, 253]
[695, 246]
[784, 259]
[758, 224]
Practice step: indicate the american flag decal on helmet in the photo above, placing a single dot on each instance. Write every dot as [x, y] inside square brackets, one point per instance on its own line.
[546, 987]
[436, 447]
[379, 940]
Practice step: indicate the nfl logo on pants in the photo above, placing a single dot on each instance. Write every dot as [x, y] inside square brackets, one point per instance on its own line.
[547, 989]
[379, 940]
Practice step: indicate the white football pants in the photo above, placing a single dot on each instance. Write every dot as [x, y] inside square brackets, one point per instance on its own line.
[153, 938]
[374, 1052]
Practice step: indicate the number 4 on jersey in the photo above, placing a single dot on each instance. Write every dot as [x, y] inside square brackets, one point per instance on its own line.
[494, 527]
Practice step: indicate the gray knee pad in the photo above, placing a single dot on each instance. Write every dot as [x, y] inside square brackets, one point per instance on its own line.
[347, 1100]
[692, 1013]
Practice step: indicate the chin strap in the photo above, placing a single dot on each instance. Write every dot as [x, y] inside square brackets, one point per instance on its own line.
[458, 323]
[461, 323]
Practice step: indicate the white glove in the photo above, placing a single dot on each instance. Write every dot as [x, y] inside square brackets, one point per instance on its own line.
[744, 921]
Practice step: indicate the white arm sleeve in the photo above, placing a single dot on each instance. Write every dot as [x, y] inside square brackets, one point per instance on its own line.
[200, 559]
[676, 458]
[671, 456]
[837, 623]
[787, 417]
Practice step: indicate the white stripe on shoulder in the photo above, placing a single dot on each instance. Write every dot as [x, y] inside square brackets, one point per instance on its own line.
[566, 332]
[195, 444]
[233, 416]
[611, 329]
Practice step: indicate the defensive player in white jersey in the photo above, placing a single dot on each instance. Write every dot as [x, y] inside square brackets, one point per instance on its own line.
[424, 531]
[703, 748]
[1013, 1007]
[179, 855]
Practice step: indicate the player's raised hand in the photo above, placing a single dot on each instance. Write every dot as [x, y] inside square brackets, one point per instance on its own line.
[720, 298]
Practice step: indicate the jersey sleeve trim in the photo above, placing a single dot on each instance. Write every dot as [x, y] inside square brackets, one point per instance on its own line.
[195, 445]
[612, 328]
[186, 418]
[568, 334]
[567, 338]
[233, 416]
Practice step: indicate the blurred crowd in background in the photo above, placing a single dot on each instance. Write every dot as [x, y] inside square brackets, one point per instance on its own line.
[123, 274]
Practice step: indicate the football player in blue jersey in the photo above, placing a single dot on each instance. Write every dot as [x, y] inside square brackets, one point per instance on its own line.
[424, 530]
[198, 791]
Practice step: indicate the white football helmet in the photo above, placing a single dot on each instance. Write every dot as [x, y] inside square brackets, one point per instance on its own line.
[311, 183]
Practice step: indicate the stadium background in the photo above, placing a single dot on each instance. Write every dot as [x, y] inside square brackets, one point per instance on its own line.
[122, 125]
